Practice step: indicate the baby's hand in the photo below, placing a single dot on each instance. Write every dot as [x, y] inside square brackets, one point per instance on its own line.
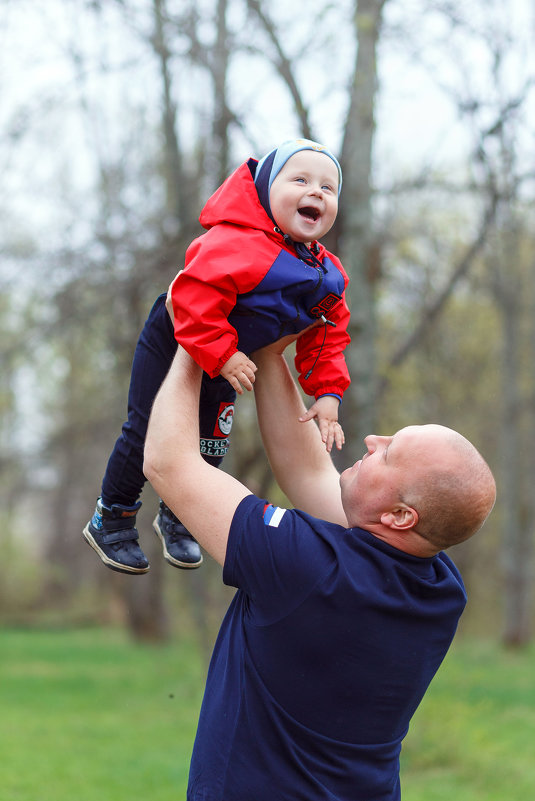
[238, 370]
[325, 409]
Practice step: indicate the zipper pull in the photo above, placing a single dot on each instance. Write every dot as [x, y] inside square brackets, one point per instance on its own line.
[326, 322]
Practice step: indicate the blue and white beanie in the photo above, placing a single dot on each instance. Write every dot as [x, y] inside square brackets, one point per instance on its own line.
[272, 163]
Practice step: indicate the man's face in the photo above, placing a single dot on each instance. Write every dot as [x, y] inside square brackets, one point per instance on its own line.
[304, 196]
[375, 483]
[370, 484]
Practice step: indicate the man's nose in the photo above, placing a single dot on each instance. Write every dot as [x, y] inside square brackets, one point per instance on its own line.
[371, 442]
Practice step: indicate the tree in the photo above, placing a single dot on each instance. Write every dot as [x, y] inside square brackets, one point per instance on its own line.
[355, 231]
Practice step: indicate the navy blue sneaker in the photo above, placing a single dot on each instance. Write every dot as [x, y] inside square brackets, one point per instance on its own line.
[180, 549]
[112, 533]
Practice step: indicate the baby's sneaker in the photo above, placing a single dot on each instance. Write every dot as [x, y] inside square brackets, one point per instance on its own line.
[180, 549]
[112, 533]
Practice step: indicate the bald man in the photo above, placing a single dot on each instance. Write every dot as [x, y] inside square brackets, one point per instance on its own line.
[346, 605]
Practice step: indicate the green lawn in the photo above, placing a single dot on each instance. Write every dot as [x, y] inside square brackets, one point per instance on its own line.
[88, 716]
[473, 736]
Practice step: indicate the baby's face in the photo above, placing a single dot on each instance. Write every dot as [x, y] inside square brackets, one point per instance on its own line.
[304, 196]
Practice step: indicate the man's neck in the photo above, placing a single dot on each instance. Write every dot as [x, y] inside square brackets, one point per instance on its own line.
[408, 541]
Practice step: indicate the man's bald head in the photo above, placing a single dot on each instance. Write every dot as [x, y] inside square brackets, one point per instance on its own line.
[452, 487]
[427, 481]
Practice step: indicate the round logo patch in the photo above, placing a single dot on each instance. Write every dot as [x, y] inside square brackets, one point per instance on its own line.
[224, 420]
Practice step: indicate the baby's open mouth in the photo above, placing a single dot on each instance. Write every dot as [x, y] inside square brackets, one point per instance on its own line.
[309, 212]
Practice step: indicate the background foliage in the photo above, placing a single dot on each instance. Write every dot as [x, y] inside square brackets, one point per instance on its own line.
[118, 120]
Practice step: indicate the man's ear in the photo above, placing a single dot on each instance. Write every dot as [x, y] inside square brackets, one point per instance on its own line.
[401, 517]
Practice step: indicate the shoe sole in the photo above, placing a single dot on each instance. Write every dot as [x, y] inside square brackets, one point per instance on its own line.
[117, 566]
[167, 556]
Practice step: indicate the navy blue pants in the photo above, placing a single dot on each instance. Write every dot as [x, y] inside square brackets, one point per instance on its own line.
[155, 350]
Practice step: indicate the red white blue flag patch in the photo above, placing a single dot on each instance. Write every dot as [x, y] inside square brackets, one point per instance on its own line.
[273, 515]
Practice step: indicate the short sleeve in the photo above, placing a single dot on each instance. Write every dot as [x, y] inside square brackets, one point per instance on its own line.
[275, 556]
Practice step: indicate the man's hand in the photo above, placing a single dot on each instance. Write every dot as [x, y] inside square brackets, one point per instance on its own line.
[169, 305]
[169, 298]
[325, 410]
[280, 345]
[238, 370]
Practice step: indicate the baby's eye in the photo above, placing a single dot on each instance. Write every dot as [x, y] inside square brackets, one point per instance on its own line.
[301, 180]
[327, 188]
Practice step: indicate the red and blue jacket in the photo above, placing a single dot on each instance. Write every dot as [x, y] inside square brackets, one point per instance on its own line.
[244, 287]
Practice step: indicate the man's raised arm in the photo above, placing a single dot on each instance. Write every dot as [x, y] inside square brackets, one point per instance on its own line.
[301, 465]
[202, 497]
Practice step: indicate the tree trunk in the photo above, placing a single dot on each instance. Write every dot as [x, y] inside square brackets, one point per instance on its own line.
[515, 535]
[355, 233]
[222, 117]
[144, 599]
[146, 610]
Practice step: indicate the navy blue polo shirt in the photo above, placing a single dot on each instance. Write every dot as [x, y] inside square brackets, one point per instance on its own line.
[323, 656]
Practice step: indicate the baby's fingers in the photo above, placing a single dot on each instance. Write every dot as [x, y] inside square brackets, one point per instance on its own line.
[247, 380]
[235, 384]
[339, 436]
[332, 434]
[327, 433]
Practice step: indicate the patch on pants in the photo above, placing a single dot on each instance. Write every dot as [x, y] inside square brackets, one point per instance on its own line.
[225, 416]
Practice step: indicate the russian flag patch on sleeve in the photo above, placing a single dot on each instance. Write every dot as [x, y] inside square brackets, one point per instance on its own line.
[273, 515]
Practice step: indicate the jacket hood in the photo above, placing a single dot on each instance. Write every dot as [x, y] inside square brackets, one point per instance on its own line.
[237, 202]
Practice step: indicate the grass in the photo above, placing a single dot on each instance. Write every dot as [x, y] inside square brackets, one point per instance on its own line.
[472, 737]
[88, 715]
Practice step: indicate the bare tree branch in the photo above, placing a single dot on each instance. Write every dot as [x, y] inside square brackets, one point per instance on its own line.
[437, 306]
[284, 66]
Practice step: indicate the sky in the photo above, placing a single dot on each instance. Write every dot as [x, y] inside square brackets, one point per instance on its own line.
[54, 129]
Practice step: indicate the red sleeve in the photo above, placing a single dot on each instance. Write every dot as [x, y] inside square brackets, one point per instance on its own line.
[329, 372]
[219, 266]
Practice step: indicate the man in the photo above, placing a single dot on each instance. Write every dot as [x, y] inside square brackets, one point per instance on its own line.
[344, 610]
